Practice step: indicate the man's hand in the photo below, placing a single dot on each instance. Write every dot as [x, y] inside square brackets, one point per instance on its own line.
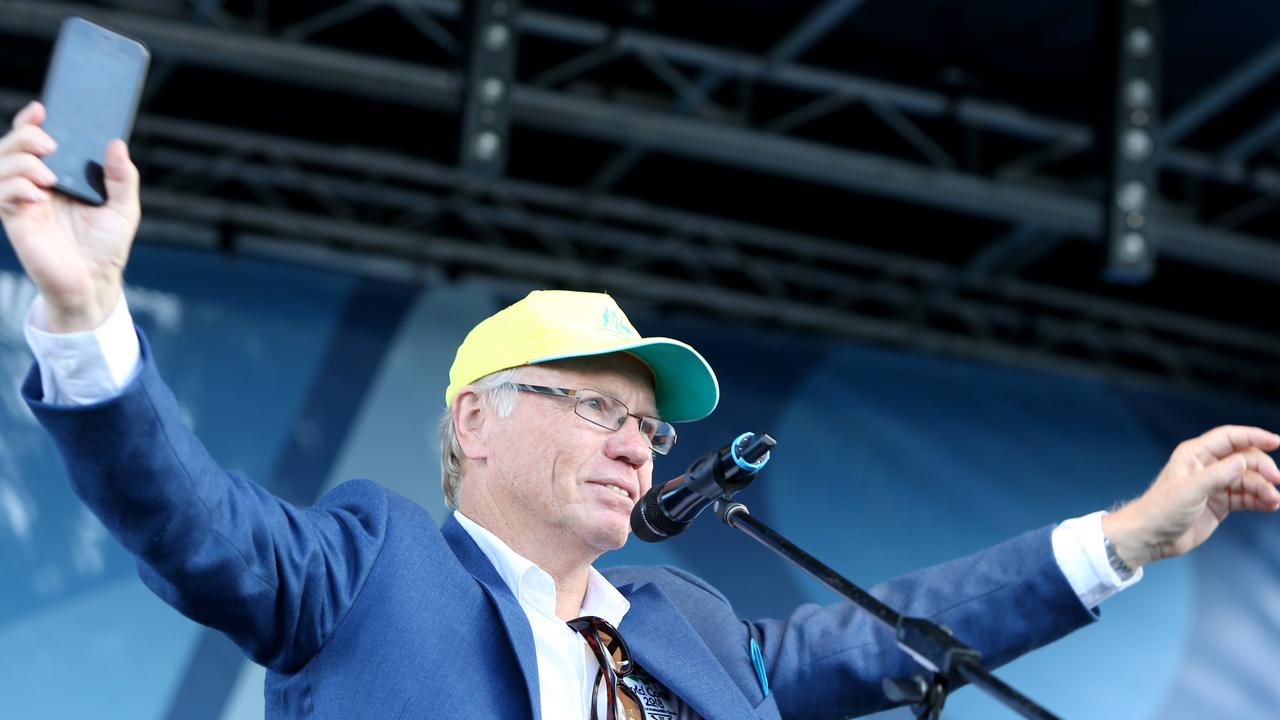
[1206, 479]
[74, 252]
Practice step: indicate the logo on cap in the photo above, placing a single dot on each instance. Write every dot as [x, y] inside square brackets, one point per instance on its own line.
[615, 323]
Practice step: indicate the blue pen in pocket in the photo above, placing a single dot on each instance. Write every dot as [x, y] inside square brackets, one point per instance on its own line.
[757, 660]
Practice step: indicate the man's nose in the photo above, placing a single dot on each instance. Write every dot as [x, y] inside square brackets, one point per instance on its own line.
[629, 444]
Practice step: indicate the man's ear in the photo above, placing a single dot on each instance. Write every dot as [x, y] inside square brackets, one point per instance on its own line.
[469, 416]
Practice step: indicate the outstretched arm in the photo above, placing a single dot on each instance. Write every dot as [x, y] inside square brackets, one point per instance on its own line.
[216, 546]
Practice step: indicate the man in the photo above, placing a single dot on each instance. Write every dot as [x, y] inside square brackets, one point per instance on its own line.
[361, 607]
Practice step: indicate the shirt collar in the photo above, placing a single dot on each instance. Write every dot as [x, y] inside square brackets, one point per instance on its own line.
[602, 599]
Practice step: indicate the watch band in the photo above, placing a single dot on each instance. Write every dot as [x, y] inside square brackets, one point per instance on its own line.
[1117, 563]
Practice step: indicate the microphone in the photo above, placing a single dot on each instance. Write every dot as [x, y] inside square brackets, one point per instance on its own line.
[667, 509]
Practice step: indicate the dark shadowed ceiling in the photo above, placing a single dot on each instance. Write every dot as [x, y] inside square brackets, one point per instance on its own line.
[921, 174]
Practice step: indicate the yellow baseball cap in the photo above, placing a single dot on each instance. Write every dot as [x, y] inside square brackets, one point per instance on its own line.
[558, 324]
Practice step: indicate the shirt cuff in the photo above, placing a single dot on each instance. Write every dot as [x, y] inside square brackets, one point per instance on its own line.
[86, 367]
[1080, 552]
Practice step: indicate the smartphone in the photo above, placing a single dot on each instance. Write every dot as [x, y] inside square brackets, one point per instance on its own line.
[91, 95]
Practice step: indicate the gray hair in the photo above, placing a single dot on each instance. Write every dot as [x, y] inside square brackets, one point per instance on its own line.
[498, 395]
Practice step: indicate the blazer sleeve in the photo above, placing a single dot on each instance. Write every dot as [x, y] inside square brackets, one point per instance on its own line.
[218, 547]
[828, 662]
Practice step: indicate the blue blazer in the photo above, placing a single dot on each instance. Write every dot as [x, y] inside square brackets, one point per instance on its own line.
[361, 607]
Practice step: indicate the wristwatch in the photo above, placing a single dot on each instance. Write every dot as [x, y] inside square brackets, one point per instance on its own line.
[1117, 563]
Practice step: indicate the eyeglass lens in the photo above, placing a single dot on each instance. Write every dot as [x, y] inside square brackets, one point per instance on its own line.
[610, 413]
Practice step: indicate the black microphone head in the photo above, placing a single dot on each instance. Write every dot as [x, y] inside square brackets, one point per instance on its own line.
[650, 523]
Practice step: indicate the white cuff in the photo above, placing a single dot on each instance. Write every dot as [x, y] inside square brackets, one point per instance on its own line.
[80, 368]
[1079, 550]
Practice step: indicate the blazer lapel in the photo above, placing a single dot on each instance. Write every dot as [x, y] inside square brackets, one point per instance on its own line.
[664, 643]
[513, 617]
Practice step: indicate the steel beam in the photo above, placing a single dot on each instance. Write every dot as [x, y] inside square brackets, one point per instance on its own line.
[1214, 99]
[295, 63]
[792, 246]
[803, 36]
[1263, 134]
[411, 248]
[357, 162]
[795, 43]
[432, 88]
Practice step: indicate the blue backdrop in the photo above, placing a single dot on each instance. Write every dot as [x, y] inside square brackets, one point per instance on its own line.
[887, 461]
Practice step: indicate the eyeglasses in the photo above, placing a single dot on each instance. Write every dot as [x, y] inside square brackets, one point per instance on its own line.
[615, 662]
[610, 413]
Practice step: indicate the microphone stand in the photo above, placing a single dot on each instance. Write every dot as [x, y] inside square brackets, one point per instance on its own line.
[931, 645]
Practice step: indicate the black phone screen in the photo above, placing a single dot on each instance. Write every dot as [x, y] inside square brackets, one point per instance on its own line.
[91, 94]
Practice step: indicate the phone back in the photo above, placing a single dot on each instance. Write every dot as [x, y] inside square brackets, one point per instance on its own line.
[91, 93]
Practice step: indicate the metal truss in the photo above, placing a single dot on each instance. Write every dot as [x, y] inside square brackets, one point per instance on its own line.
[406, 217]
[568, 113]
[389, 216]
[833, 89]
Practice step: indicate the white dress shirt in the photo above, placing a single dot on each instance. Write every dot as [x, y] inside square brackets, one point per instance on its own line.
[566, 665]
[95, 365]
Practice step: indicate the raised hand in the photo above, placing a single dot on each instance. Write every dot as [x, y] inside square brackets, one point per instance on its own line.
[74, 252]
[1207, 478]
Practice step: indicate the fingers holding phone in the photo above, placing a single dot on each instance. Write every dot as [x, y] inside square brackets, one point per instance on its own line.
[22, 154]
[73, 251]
[24, 177]
[26, 181]
[120, 177]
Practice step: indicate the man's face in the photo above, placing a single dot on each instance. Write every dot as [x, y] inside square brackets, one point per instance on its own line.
[562, 473]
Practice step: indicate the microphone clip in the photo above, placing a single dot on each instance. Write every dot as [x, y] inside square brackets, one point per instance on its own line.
[735, 465]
